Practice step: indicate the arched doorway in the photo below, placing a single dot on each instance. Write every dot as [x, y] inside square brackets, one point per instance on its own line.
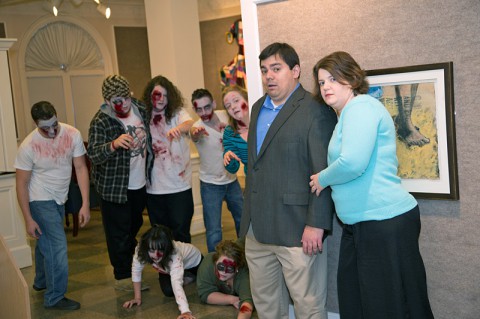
[64, 61]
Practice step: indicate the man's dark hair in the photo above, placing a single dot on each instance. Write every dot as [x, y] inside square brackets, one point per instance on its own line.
[43, 110]
[199, 93]
[284, 50]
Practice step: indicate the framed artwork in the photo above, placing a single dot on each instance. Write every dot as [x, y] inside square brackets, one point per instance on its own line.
[420, 100]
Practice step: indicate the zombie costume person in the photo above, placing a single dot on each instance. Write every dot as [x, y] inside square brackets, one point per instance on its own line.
[175, 262]
[43, 172]
[223, 278]
[169, 194]
[216, 183]
[119, 146]
[235, 101]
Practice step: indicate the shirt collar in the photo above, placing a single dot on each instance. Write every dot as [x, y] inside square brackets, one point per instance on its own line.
[268, 101]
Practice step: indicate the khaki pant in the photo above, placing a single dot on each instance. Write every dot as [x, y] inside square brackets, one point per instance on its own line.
[278, 274]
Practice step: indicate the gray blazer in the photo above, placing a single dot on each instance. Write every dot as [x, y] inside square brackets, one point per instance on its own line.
[278, 202]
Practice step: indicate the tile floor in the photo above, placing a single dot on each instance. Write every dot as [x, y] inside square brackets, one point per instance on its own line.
[91, 281]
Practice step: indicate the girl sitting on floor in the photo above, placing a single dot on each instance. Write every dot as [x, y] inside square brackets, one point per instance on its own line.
[172, 260]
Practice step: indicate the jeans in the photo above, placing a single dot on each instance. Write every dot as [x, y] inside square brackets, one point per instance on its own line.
[51, 262]
[212, 199]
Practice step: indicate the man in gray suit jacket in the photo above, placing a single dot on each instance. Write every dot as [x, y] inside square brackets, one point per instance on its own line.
[284, 223]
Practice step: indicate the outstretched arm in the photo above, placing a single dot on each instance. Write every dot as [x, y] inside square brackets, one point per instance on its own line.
[180, 129]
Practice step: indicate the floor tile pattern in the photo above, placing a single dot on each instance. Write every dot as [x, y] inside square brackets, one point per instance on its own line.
[91, 281]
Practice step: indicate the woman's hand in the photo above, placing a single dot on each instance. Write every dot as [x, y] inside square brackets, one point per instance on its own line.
[235, 301]
[131, 303]
[186, 315]
[228, 157]
[174, 133]
[315, 185]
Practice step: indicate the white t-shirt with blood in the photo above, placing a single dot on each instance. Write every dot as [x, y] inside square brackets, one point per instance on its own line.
[210, 149]
[138, 151]
[50, 162]
[172, 171]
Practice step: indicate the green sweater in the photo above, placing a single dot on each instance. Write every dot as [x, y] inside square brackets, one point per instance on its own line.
[207, 282]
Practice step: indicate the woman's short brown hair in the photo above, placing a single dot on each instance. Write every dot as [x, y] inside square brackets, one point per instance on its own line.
[344, 69]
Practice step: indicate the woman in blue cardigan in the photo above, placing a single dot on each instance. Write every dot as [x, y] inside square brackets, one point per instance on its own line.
[235, 101]
[380, 270]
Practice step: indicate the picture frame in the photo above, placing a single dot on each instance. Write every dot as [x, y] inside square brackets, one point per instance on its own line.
[421, 101]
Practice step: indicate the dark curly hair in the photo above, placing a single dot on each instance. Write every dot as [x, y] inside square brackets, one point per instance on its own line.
[174, 96]
[344, 69]
[158, 238]
[231, 250]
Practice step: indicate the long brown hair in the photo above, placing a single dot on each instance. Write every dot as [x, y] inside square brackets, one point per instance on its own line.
[174, 96]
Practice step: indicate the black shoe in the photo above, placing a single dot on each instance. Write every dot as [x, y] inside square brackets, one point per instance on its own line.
[65, 304]
[38, 288]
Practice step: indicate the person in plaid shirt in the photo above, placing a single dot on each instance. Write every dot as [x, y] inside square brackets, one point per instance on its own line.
[119, 146]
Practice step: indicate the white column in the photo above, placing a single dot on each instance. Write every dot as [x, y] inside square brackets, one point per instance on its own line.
[175, 52]
[174, 43]
[12, 226]
[8, 135]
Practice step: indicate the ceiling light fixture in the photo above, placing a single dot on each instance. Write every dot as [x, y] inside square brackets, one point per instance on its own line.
[104, 10]
[54, 6]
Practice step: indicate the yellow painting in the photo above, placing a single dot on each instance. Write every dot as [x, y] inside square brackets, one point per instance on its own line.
[413, 110]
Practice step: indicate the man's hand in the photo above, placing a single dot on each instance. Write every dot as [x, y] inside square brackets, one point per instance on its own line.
[33, 229]
[197, 132]
[312, 240]
[84, 216]
[123, 141]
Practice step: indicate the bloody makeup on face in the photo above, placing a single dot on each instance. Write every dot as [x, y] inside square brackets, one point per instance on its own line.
[235, 105]
[121, 105]
[49, 127]
[156, 96]
[159, 98]
[205, 112]
[155, 254]
[227, 266]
